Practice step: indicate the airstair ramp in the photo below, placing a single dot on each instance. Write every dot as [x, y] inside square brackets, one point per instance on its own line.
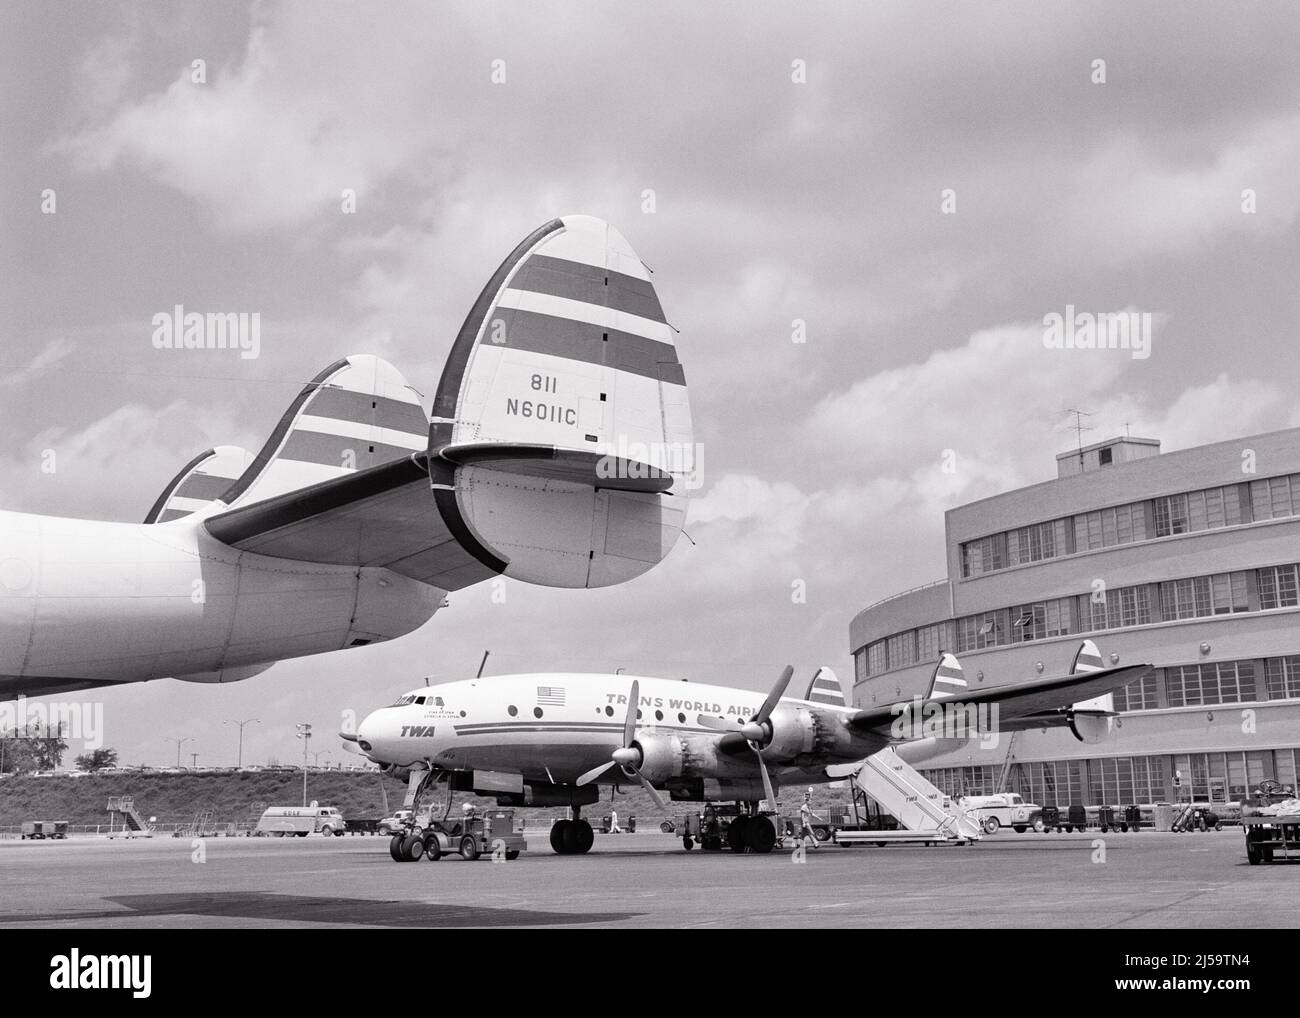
[917, 804]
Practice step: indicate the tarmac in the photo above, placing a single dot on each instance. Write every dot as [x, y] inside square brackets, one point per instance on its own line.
[646, 879]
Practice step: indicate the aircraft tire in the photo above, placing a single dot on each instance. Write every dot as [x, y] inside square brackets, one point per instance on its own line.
[760, 835]
[395, 848]
[557, 836]
[736, 840]
[573, 837]
[412, 848]
[585, 837]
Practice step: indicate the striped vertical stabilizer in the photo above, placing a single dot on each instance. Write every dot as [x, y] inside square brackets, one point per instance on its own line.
[357, 413]
[948, 679]
[200, 483]
[825, 688]
[1088, 659]
[568, 347]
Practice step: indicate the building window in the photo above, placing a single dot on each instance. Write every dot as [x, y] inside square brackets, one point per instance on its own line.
[901, 649]
[1277, 587]
[1209, 684]
[1139, 694]
[1170, 515]
[984, 555]
[876, 658]
[1120, 607]
[1198, 596]
[1283, 677]
[1275, 497]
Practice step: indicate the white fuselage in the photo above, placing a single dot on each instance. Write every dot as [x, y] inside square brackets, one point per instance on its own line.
[94, 602]
[551, 728]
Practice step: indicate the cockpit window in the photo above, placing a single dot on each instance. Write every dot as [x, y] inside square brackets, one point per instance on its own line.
[437, 702]
[419, 699]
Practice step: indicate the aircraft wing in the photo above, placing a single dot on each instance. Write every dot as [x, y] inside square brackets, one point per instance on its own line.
[1033, 704]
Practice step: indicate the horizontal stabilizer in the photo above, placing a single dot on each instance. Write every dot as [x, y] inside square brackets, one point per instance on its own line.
[577, 466]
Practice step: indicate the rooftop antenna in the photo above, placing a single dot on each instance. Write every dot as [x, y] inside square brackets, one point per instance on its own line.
[1079, 427]
[482, 664]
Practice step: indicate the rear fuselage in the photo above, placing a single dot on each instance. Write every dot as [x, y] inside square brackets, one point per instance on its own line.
[93, 602]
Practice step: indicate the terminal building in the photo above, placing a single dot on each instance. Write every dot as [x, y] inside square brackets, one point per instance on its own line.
[1189, 561]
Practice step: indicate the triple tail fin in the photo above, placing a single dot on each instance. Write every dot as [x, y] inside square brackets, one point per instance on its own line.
[825, 688]
[948, 679]
[1088, 659]
[357, 413]
[200, 483]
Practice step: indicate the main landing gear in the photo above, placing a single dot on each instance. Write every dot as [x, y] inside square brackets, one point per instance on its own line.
[572, 837]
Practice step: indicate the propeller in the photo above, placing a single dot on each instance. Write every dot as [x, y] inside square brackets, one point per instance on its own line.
[627, 756]
[758, 729]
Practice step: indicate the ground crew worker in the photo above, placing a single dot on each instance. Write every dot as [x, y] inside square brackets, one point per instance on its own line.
[613, 822]
[806, 817]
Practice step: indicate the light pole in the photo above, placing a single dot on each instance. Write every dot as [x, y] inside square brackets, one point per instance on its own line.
[179, 743]
[304, 733]
[241, 724]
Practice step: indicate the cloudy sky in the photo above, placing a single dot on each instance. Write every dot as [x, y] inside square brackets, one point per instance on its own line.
[798, 164]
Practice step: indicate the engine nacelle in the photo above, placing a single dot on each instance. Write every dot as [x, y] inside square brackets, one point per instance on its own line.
[663, 756]
[795, 732]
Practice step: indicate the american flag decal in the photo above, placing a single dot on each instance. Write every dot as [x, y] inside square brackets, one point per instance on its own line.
[550, 696]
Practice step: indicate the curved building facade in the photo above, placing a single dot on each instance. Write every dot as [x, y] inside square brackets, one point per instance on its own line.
[1189, 561]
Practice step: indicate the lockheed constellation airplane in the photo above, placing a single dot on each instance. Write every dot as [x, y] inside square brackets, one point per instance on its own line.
[552, 739]
[559, 444]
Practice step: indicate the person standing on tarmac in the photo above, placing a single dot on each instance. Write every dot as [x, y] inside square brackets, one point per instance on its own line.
[806, 817]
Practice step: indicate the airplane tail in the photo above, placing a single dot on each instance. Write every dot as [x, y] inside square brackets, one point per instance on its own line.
[1088, 659]
[947, 680]
[562, 411]
[357, 413]
[200, 483]
[558, 451]
[825, 688]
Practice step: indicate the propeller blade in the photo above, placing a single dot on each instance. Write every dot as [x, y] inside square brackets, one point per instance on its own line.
[594, 773]
[717, 724]
[774, 697]
[650, 791]
[348, 736]
[629, 723]
[767, 781]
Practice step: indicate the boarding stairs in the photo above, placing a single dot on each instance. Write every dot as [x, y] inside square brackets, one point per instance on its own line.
[918, 805]
[133, 824]
[202, 823]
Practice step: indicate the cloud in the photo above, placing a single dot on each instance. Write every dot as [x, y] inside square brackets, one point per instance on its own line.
[51, 355]
[114, 467]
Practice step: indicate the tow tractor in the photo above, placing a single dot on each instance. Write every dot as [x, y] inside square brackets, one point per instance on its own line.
[1271, 820]
[736, 826]
[472, 836]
